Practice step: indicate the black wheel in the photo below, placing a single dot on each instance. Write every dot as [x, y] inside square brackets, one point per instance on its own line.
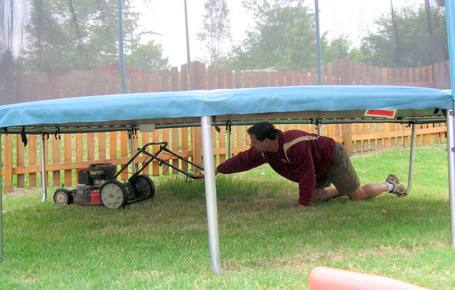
[62, 196]
[113, 194]
[144, 186]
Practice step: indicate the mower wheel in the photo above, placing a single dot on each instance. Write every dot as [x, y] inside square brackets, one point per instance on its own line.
[113, 194]
[62, 196]
[144, 186]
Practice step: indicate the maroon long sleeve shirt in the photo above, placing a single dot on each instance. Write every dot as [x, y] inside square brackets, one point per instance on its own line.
[301, 157]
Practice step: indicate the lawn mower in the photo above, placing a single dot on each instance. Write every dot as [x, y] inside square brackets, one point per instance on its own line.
[97, 184]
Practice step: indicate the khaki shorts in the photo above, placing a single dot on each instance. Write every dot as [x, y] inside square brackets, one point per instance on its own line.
[341, 173]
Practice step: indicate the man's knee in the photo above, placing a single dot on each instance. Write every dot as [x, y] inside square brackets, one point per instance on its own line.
[357, 194]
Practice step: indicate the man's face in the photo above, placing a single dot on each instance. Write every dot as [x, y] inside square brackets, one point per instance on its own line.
[259, 146]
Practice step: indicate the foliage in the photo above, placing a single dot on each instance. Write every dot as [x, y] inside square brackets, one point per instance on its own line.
[66, 34]
[147, 57]
[409, 44]
[216, 27]
[284, 38]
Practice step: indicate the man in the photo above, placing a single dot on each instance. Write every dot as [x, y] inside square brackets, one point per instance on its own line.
[311, 160]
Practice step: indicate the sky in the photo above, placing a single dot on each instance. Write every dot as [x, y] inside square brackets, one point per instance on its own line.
[351, 18]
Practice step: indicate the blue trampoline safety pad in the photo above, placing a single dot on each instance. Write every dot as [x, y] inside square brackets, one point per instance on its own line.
[146, 107]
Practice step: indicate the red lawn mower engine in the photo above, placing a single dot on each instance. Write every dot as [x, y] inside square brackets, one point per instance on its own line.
[97, 186]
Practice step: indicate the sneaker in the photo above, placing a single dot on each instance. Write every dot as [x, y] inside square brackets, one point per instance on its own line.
[398, 189]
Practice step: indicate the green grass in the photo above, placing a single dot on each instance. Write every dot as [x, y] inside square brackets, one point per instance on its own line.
[267, 241]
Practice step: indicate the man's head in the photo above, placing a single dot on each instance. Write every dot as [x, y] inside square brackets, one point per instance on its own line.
[263, 137]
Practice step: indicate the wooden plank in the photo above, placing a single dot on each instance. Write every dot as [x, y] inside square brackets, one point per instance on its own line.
[222, 144]
[71, 165]
[238, 79]
[90, 146]
[20, 160]
[196, 145]
[80, 147]
[165, 138]
[155, 165]
[347, 137]
[67, 143]
[229, 80]
[113, 145]
[220, 79]
[239, 140]
[175, 147]
[174, 79]
[145, 140]
[101, 146]
[211, 78]
[184, 78]
[184, 138]
[124, 153]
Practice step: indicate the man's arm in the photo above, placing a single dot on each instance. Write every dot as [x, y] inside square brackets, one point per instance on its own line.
[243, 161]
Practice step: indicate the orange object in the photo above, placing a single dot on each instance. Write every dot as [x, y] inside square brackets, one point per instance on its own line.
[323, 278]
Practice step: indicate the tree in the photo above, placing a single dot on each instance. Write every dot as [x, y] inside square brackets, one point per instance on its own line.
[380, 47]
[147, 57]
[64, 34]
[284, 38]
[215, 28]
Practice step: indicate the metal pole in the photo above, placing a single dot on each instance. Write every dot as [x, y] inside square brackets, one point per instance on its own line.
[228, 133]
[43, 171]
[451, 156]
[412, 155]
[188, 57]
[450, 25]
[318, 41]
[1, 202]
[210, 194]
[130, 145]
[121, 58]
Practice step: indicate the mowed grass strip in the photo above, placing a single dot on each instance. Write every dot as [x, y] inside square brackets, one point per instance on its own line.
[267, 241]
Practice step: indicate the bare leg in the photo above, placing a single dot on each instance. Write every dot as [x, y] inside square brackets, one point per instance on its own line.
[325, 194]
[364, 192]
[368, 191]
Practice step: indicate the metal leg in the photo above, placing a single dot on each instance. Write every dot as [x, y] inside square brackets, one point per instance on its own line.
[412, 156]
[451, 156]
[1, 202]
[43, 170]
[210, 194]
[228, 133]
[130, 145]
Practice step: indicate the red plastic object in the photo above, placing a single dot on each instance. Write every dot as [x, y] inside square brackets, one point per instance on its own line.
[322, 278]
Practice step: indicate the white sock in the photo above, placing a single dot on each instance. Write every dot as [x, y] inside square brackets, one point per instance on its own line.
[390, 185]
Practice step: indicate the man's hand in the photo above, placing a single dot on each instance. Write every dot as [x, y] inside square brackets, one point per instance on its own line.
[197, 176]
[200, 175]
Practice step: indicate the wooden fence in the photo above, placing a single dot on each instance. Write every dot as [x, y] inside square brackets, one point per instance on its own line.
[22, 165]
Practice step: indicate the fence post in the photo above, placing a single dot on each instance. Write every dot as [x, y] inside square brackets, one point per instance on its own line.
[347, 137]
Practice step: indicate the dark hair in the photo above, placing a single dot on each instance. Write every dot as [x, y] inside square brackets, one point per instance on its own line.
[263, 130]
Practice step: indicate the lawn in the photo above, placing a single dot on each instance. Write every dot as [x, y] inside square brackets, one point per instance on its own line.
[267, 241]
